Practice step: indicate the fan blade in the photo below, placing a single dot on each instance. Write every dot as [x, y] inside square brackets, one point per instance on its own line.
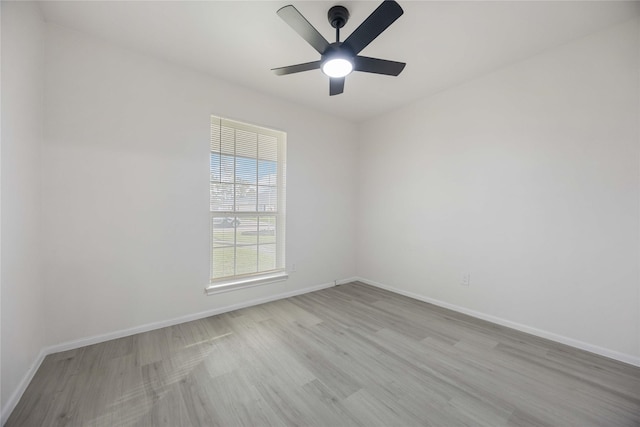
[376, 23]
[336, 86]
[298, 68]
[291, 16]
[378, 66]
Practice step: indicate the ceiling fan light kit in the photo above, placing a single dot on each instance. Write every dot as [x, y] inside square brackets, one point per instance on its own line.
[337, 67]
[339, 59]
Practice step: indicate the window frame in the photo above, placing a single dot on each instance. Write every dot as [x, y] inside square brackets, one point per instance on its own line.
[247, 280]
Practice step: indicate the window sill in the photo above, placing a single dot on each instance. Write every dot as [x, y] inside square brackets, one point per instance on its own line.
[233, 285]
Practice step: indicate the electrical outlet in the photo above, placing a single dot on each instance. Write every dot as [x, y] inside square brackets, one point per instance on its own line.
[466, 279]
[293, 268]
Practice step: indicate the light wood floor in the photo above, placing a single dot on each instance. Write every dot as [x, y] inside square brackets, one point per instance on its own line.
[348, 355]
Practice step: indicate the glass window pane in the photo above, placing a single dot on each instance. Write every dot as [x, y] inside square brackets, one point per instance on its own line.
[221, 197]
[246, 144]
[267, 229]
[268, 147]
[246, 170]
[214, 167]
[267, 172]
[246, 197]
[267, 199]
[224, 231]
[222, 262]
[215, 135]
[227, 141]
[247, 233]
[227, 172]
[267, 257]
[247, 259]
[267, 190]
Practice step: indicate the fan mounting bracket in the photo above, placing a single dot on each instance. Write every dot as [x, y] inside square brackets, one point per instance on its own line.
[338, 16]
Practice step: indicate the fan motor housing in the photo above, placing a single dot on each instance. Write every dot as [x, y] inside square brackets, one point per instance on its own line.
[338, 50]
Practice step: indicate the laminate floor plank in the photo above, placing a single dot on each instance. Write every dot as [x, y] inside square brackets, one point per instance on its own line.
[351, 355]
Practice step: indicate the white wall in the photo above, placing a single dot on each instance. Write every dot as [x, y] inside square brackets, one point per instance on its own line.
[22, 116]
[528, 179]
[125, 203]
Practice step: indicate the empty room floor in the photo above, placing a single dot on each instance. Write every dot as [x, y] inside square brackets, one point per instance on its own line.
[347, 355]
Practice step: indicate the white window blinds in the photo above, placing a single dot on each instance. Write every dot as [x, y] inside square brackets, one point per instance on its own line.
[247, 203]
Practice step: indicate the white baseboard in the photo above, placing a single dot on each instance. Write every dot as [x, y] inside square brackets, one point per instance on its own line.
[22, 386]
[70, 345]
[612, 354]
[348, 280]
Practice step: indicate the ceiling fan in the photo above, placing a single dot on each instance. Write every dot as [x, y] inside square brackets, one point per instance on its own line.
[339, 59]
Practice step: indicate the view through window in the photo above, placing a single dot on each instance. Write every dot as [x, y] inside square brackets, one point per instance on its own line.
[247, 203]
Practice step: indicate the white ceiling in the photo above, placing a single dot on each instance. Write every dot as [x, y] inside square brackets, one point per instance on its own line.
[444, 43]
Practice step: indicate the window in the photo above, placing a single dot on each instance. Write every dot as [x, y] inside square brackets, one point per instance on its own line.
[247, 205]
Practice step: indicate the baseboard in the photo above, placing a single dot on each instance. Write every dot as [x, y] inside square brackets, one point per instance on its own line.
[22, 386]
[70, 345]
[622, 357]
[348, 280]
